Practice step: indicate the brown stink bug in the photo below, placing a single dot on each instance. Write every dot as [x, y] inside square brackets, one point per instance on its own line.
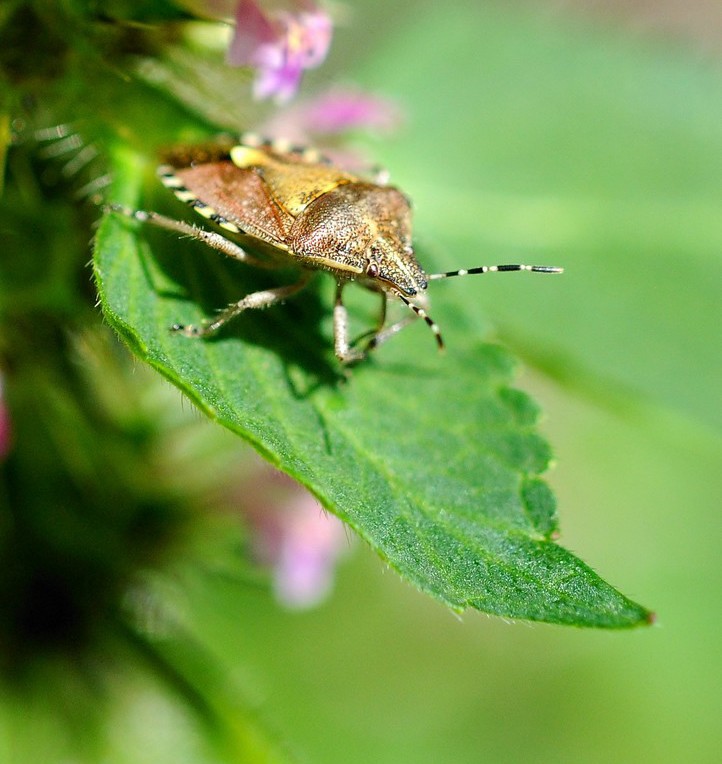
[295, 207]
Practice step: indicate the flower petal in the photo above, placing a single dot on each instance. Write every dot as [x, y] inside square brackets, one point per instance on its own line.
[280, 46]
[253, 30]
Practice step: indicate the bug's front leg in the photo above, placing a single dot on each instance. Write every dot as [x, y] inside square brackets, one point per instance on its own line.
[211, 238]
[262, 299]
[341, 345]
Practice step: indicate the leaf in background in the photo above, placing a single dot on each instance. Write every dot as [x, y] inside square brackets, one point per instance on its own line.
[538, 137]
[433, 460]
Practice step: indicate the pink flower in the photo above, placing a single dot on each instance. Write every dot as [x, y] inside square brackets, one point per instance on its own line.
[279, 45]
[318, 121]
[294, 536]
[309, 545]
[332, 112]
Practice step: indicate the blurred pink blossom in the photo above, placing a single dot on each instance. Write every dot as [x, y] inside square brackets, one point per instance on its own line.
[280, 45]
[295, 537]
[316, 121]
[331, 112]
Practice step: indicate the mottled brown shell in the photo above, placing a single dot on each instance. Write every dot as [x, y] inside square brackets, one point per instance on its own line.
[306, 209]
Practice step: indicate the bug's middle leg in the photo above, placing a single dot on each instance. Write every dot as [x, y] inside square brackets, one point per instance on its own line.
[261, 299]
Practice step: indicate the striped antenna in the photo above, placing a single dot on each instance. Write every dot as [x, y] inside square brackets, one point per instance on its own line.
[421, 313]
[496, 268]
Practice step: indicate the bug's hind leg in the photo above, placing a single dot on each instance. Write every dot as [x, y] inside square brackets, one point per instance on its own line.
[262, 299]
[211, 238]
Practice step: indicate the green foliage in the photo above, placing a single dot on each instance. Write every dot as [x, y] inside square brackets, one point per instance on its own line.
[557, 141]
[525, 142]
[432, 460]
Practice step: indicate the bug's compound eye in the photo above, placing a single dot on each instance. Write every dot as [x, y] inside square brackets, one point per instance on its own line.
[372, 269]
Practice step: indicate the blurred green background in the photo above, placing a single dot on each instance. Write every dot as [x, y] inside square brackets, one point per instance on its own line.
[588, 138]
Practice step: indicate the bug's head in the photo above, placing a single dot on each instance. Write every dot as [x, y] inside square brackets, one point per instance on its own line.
[390, 264]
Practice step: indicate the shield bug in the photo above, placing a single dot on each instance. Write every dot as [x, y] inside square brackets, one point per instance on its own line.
[293, 206]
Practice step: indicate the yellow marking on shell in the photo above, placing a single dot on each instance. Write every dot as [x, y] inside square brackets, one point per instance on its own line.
[311, 155]
[229, 226]
[249, 156]
[184, 195]
[171, 181]
[206, 211]
[281, 145]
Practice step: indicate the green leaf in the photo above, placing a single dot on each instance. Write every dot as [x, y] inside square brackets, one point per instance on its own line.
[432, 459]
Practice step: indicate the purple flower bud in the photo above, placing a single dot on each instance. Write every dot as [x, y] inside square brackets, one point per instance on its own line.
[307, 553]
[293, 536]
[280, 46]
[333, 112]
